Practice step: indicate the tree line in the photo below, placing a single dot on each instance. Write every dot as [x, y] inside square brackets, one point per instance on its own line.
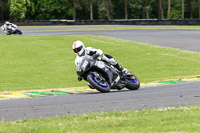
[98, 9]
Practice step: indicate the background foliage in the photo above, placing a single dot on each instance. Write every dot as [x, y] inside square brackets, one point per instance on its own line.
[98, 9]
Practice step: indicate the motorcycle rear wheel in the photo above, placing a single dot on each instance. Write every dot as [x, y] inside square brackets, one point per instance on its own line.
[98, 83]
[8, 33]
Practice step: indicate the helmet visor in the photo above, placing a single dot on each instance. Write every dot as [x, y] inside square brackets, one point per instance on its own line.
[76, 50]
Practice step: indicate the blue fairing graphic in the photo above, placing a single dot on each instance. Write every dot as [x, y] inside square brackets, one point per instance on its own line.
[105, 85]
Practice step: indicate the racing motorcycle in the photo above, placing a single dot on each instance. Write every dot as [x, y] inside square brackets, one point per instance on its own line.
[13, 30]
[103, 76]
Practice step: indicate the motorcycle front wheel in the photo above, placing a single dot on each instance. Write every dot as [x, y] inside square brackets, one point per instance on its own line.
[132, 82]
[19, 32]
[98, 82]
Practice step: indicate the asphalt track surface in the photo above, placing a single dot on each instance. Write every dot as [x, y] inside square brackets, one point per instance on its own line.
[180, 94]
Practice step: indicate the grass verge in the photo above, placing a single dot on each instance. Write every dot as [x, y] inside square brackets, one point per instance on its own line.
[170, 119]
[41, 62]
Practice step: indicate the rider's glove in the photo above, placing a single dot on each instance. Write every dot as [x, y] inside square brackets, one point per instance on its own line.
[95, 56]
[80, 78]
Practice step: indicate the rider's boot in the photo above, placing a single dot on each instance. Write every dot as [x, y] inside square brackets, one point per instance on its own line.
[121, 69]
[112, 61]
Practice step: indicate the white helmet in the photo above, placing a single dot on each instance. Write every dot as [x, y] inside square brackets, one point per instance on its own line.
[7, 22]
[78, 48]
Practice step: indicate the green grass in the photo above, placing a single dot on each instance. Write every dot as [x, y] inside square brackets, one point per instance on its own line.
[170, 119]
[41, 62]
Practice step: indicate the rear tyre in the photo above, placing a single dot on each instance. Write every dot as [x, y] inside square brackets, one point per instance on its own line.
[8, 33]
[98, 82]
[132, 82]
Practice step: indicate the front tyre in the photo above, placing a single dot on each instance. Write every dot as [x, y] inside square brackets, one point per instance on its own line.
[19, 32]
[132, 82]
[98, 82]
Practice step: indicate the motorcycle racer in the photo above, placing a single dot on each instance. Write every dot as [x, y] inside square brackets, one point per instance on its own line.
[8, 27]
[90, 52]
